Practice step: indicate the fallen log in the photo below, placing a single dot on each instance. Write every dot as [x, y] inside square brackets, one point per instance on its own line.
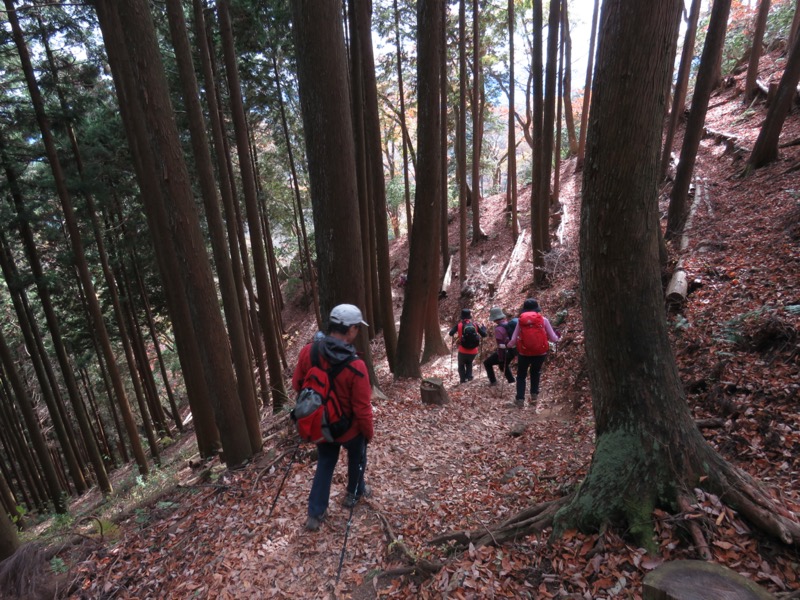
[679, 283]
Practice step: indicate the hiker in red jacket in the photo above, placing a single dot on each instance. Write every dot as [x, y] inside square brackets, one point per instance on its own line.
[531, 339]
[469, 339]
[354, 392]
[503, 356]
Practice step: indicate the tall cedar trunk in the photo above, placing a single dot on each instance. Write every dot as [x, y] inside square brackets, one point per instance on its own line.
[567, 84]
[77, 249]
[9, 503]
[403, 127]
[461, 144]
[327, 123]
[681, 85]
[587, 89]
[238, 254]
[537, 200]
[548, 126]
[372, 134]
[206, 431]
[9, 542]
[641, 415]
[41, 362]
[422, 271]
[511, 186]
[34, 430]
[766, 147]
[756, 50]
[477, 124]
[205, 173]
[648, 453]
[174, 198]
[267, 318]
[705, 84]
[359, 136]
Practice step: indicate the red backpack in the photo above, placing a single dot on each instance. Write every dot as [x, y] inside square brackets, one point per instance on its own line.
[318, 414]
[532, 338]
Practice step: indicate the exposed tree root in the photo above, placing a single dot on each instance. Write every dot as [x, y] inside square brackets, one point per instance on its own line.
[699, 539]
[742, 493]
[531, 520]
[416, 564]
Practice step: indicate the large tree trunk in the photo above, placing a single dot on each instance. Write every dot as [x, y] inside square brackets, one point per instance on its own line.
[648, 452]
[172, 204]
[327, 123]
[766, 147]
[477, 124]
[422, 271]
[712, 51]
[202, 155]
[537, 155]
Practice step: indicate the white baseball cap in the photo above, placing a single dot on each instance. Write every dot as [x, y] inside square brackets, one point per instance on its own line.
[347, 315]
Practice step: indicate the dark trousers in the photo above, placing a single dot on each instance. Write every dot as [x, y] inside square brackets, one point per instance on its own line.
[534, 363]
[327, 457]
[465, 366]
[505, 364]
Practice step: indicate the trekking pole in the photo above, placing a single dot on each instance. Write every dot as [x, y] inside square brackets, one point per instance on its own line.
[350, 519]
[285, 475]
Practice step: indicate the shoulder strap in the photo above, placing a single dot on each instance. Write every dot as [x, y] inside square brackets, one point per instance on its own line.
[334, 370]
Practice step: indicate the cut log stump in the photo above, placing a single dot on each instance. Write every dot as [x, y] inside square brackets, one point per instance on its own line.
[432, 391]
[699, 580]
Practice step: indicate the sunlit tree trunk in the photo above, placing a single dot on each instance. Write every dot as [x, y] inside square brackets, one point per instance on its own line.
[422, 271]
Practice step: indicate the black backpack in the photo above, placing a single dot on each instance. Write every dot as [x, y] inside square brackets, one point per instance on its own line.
[470, 338]
[510, 326]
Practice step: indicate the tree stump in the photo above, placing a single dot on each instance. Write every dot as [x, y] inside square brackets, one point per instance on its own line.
[432, 391]
[699, 580]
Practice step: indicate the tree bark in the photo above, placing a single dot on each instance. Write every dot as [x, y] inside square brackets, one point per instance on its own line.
[567, 84]
[422, 271]
[327, 123]
[461, 144]
[477, 125]
[403, 126]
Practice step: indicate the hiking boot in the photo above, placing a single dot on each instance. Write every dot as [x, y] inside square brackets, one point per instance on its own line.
[314, 523]
[519, 402]
[492, 383]
[534, 400]
[351, 499]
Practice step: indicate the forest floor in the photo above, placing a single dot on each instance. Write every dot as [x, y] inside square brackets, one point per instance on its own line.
[209, 533]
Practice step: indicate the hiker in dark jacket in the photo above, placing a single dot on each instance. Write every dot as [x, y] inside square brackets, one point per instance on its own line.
[503, 355]
[467, 345]
[354, 391]
[531, 339]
